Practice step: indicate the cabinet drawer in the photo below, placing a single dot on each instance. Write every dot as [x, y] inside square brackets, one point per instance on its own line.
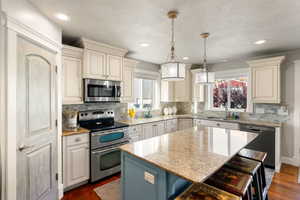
[77, 139]
[135, 129]
[226, 125]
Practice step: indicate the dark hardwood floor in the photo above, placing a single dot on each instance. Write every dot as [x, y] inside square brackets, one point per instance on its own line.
[284, 187]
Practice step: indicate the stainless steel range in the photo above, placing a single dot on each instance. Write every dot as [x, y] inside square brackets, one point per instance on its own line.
[105, 138]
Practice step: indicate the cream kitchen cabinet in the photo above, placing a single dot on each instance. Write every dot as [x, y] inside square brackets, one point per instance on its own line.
[153, 129]
[197, 89]
[159, 128]
[102, 61]
[148, 131]
[72, 75]
[76, 160]
[185, 124]
[114, 67]
[94, 65]
[128, 80]
[136, 133]
[177, 91]
[265, 80]
[182, 89]
[171, 125]
[167, 91]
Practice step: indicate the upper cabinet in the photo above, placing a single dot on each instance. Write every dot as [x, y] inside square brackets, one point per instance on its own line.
[128, 78]
[167, 91]
[102, 61]
[72, 75]
[265, 80]
[177, 91]
[94, 65]
[197, 89]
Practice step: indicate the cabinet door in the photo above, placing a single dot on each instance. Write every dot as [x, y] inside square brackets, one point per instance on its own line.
[185, 124]
[77, 166]
[266, 84]
[148, 131]
[198, 91]
[94, 65]
[127, 89]
[114, 67]
[167, 91]
[72, 80]
[182, 89]
[160, 128]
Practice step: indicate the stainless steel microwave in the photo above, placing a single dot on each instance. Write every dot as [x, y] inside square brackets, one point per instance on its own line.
[101, 90]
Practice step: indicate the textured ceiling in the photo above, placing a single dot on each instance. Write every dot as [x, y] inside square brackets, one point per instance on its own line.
[234, 26]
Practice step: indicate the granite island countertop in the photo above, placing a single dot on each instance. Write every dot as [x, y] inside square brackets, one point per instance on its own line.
[193, 154]
[192, 116]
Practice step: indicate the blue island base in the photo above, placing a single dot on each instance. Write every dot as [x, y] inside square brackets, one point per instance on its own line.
[144, 181]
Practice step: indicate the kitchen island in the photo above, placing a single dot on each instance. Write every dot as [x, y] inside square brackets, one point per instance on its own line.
[161, 167]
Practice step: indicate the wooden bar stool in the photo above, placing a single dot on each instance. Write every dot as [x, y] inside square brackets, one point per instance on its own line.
[202, 191]
[250, 167]
[260, 157]
[232, 181]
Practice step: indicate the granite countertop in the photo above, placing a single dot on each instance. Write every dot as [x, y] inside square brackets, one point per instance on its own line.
[193, 154]
[78, 131]
[160, 118]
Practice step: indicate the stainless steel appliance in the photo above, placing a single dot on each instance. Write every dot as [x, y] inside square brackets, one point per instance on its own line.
[105, 138]
[101, 90]
[265, 141]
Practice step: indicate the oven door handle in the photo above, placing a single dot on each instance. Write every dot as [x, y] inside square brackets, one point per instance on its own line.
[109, 149]
[108, 132]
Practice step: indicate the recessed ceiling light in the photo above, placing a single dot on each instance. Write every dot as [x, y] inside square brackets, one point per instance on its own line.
[62, 17]
[260, 42]
[144, 45]
[185, 58]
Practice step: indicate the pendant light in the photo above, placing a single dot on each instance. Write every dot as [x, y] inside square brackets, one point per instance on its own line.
[172, 70]
[204, 76]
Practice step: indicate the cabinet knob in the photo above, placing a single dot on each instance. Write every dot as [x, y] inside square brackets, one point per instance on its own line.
[77, 140]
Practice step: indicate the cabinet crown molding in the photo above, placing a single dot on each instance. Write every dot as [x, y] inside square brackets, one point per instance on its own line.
[101, 47]
[71, 51]
[130, 61]
[266, 61]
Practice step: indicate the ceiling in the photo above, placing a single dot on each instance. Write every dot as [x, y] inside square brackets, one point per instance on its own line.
[234, 26]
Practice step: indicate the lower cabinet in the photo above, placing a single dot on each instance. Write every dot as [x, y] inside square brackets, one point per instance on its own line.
[185, 124]
[171, 125]
[136, 133]
[75, 160]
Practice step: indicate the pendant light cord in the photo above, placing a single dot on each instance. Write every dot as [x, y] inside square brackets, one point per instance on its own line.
[172, 41]
[204, 56]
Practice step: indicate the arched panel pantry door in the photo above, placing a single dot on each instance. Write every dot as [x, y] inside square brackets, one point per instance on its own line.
[36, 123]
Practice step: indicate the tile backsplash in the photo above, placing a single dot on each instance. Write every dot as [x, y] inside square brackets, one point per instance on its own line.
[120, 109]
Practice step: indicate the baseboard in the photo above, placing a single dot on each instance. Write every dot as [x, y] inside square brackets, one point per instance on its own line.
[290, 160]
[60, 191]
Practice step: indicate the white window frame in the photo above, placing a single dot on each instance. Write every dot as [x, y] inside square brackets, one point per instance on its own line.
[229, 75]
[151, 75]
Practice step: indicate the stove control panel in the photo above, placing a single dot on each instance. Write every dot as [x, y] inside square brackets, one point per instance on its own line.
[95, 114]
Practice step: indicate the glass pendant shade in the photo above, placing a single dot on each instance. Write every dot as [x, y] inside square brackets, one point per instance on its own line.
[173, 71]
[204, 77]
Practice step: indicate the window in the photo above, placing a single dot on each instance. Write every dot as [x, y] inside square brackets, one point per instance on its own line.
[230, 93]
[145, 94]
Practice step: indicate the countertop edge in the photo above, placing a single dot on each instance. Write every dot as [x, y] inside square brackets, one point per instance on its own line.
[163, 118]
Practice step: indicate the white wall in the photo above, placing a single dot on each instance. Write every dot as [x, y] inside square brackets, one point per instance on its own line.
[24, 12]
[148, 66]
[290, 96]
[25, 19]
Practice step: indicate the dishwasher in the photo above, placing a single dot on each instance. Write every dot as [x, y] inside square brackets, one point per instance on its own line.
[265, 141]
